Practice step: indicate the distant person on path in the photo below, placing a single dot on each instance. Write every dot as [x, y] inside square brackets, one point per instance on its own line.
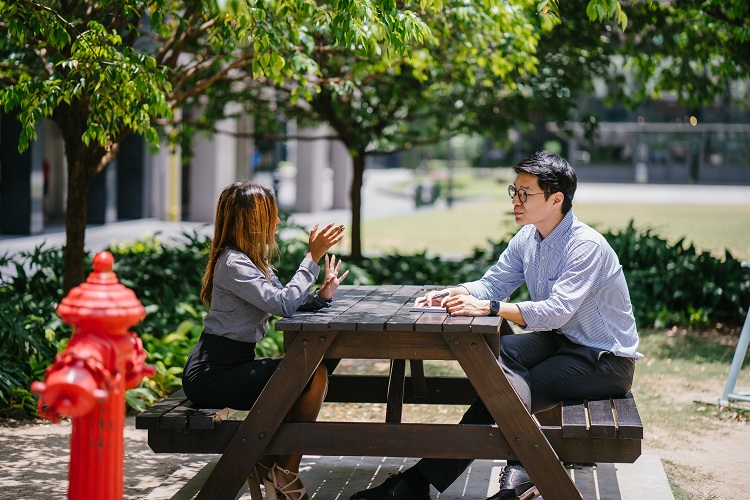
[582, 341]
[242, 292]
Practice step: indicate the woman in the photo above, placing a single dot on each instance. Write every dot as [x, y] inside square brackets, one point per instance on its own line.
[242, 292]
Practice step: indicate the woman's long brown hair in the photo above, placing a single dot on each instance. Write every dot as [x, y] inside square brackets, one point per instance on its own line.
[246, 215]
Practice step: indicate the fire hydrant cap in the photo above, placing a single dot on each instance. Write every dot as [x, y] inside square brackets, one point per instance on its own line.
[102, 300]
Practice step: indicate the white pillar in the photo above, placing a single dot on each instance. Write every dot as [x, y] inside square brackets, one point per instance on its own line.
[214, 167]
[164, 183]
[312, 159]
[245, 147]
[341, 164]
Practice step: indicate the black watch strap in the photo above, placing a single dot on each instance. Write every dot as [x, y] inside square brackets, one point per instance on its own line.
[494, 307]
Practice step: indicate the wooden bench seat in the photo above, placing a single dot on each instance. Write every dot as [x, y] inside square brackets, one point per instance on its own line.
[607, 431]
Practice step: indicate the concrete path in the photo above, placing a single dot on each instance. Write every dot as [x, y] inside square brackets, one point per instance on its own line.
[379, 201]
[336, 478]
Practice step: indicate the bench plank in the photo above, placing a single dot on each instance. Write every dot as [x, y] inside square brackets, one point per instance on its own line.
[628, 420]
[574, 420]
[151, 418]
[601, 418]
[208, 418]
[595, 431]
[399, 440]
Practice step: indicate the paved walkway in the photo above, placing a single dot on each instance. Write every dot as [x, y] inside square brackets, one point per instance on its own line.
[379, 201]
[336, 478]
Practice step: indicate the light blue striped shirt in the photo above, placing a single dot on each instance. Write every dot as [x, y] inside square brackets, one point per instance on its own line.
[575, 283]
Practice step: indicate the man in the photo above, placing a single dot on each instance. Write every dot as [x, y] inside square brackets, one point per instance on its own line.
[582, 341]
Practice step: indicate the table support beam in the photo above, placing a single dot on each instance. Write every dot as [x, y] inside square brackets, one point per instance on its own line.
[268, 413]
[512, 417]
[395, 407]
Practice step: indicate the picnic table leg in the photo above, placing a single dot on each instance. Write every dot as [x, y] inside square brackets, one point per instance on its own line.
[395, 405]
[418, 382]
[267, 415]
[512, 417]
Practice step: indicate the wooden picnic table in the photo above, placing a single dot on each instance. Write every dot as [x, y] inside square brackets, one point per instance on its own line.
[374, 322]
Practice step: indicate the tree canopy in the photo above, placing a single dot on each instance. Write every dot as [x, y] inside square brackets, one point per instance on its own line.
[105, 69]
[385, 74]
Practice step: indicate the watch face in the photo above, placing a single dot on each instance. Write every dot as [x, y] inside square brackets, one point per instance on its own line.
[494, 307]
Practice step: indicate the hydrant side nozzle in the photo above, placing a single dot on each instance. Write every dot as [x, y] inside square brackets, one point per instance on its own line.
[44, 411]
[72, 388]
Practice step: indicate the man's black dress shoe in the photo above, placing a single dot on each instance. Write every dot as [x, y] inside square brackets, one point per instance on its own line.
[515, 484]
[393, 488]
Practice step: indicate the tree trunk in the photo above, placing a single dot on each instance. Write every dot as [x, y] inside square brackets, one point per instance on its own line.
[358, 161]
[82, 160]
[76, 214]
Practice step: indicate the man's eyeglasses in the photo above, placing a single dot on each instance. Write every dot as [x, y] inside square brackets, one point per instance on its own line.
[522, 194]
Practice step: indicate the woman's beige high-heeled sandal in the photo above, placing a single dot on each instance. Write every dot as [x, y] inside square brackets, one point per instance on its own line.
[273, 488]
[258, 474]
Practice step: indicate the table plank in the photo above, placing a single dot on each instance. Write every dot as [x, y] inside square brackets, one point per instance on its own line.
[457, 324]
[389, 345]
[377, 317]
[344, 298]
[350, 319]
[340, 305]
[403, 319]
[430, 322]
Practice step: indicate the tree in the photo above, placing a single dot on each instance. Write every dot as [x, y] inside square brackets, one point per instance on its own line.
[692, 49]
[455, 81]
[471, 78]
[105, 69]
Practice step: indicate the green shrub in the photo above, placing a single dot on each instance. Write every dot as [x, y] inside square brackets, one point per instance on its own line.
[30, 331]
[676, 284]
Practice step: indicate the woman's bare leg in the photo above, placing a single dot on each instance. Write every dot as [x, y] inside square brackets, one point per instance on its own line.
[306, 409]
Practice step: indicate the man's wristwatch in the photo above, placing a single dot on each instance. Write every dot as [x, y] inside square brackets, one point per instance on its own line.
[494, 307]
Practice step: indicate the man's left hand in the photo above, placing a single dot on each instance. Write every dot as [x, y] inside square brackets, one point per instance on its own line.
[466, 305]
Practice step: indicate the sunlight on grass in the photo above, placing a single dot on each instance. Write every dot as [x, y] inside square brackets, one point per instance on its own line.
[466, 226]
[676, 371]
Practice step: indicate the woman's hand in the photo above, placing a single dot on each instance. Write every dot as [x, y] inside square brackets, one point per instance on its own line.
[320, 242]
[332, 280]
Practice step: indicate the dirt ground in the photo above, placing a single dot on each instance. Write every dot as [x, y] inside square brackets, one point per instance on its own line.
[713, 463]
[34, 461]
[710, 464]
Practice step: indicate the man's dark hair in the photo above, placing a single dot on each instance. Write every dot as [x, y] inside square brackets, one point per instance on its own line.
[554, 173]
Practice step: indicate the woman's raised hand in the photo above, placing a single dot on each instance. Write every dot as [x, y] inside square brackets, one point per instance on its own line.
[320, 242]
[332, 280]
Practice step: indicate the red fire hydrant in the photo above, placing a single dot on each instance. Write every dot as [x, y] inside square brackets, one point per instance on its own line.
[88, 380]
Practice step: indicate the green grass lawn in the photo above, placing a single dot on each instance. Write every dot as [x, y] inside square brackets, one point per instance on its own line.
[458, 230]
